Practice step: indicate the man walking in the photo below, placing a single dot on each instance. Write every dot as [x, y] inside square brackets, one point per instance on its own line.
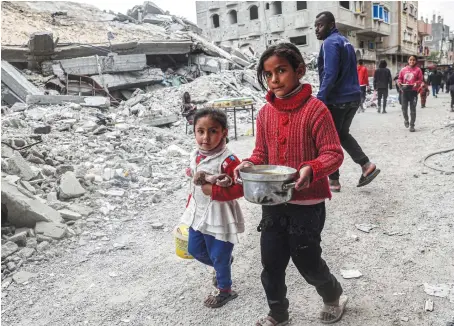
[435, 81]
[340, 91]
[363, 79]
[382, 79]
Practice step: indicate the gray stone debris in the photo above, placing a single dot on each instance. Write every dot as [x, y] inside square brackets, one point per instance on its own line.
[157, 226]
[19, 107]
[23, 276]
[48, 170]
[32, 243]
[23, 210]
[70, 186]
[34, 159]
[19, 238]
[42, 129]
[42, 246]
[8, 249]
[51, 230]
[67, 214]
[26, 252]
[62, 169]
[18, 165]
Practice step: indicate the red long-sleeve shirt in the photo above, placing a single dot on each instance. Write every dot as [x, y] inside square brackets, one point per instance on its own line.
[363, 76]
[299, 131]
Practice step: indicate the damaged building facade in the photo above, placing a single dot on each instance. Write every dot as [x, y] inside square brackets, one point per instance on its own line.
[382, 30]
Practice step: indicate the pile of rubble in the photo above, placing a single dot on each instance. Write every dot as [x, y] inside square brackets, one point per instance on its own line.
[82, 136]
[64, 167]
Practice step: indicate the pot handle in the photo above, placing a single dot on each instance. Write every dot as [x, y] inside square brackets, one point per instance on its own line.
[288, 186]
[239, 181]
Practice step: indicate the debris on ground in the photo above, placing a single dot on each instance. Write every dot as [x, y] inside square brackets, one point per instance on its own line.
[350, 273]
[365, 227]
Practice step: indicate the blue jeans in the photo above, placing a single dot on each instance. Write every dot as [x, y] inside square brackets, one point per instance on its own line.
[215, 253]
[435, 89]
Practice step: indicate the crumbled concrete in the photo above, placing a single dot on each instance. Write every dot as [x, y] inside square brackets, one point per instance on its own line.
[23, 276]
[26, 252]
[8, 249]
[70, 186]
[51, 230]
[23, 210]
[67, 214]
[18, 165]
[19, 238]
[42, 130]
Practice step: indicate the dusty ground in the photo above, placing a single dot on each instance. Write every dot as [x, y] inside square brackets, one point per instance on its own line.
[93, 281]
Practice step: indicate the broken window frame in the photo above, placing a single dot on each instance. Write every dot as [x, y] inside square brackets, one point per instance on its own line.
[213, 21]
[276, 8]
[298, 40]
[253, 15]
[233, 17]
[345, 4]
[301, 5]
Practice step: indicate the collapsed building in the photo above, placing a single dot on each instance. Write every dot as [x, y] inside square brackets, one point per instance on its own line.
[85, 96]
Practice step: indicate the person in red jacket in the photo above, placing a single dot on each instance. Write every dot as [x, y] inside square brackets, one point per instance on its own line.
[363, 79]
[295, 129]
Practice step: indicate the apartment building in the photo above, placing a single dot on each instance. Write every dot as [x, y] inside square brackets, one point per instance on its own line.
[258, 24]
[403, 39]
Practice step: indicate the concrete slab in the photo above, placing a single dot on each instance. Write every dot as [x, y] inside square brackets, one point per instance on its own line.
[51, 230]
[94, 101]
[17, 82]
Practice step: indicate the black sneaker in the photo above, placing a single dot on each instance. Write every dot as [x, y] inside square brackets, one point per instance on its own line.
[412, 129]
[407, 124]
[384, 111]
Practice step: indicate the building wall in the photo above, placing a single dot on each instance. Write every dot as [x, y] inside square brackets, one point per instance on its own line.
[270, 28]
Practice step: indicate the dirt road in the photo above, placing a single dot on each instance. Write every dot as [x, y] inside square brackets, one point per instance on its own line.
[122, 271]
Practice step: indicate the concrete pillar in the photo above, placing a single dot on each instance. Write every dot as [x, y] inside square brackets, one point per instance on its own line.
[41, 48]
[139, 15]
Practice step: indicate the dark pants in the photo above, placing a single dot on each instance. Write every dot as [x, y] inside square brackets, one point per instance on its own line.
[435, 89]
[293, 231]
[382, 92]
[452, 99]
[343, 115]
[363, 96]
[423, 99]
[409, 98]
[442, 86]
[215, 253]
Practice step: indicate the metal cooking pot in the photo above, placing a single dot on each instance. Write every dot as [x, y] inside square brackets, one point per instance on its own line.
[268, 184]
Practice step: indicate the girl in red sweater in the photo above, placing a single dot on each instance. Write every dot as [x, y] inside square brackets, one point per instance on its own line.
[295, 129]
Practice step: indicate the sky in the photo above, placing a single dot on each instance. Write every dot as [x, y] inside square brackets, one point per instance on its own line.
[186, 8]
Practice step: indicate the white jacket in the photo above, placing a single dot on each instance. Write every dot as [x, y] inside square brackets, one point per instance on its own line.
[223, 220]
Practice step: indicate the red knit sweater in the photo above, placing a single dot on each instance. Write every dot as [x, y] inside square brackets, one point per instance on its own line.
[299, 131]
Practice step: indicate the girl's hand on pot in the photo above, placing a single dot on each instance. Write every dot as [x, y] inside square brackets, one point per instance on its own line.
[305, 178]
[207, 189]
[242, 165]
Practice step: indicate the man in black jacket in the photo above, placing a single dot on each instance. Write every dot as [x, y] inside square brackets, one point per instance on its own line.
[382, 80]
[435, 82]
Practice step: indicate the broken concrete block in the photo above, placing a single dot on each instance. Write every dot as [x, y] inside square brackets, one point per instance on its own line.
[19, 238]
[32, 243]
[108, 174]
[429, 305]
[8, 249]
[42, 130]
[18, 165]
[42, 246]
[70, 186]
[28, 186]
[48, 170]
[62, 169]
[51, 230]
[19, 107]
[83, 210]
[25, 211]
[23, 276]
[34, 159]
[26, 252]
[67, 214]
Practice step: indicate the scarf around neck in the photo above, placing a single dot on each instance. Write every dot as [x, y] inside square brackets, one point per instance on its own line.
[218, 149]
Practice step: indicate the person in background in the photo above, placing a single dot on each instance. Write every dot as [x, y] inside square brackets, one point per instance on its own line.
[451, 89]
[396, 78]
[382, 80]
[187, 108]
[435, 81]
[410, 78]
[363, 79]
[423, 92]
[443, 80]
[340, 91]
